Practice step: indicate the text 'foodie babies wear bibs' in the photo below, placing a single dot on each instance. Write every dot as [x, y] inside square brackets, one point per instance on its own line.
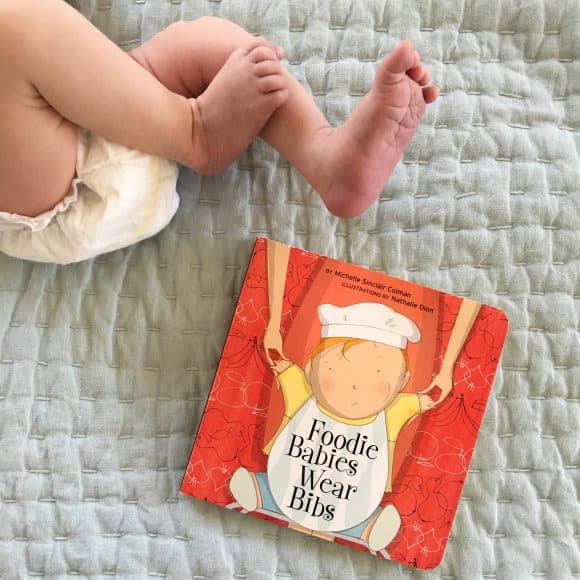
[328, 475]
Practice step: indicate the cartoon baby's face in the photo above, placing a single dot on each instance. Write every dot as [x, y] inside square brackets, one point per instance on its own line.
[360, 382]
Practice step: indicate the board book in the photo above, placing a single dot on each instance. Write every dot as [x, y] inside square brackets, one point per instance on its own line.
[346, 404]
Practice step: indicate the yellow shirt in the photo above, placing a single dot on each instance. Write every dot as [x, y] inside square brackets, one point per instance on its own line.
[297, 390]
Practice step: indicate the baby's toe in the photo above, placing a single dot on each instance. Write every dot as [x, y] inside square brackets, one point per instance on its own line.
[276, 98]
[262, 53]
[420, 75]
[430, 94]
[271, 83]
[403, 58]
[265, 68]
[258, 41]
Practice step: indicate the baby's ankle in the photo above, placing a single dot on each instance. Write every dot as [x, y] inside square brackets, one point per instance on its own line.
[197, 152]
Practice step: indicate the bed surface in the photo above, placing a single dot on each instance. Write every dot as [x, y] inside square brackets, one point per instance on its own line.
[105, 365]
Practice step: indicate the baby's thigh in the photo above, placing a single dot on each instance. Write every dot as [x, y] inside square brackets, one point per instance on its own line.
[187, 55]
[38, 147]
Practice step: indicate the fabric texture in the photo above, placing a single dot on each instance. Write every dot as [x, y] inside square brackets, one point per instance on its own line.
[119, 197]
[105, 365]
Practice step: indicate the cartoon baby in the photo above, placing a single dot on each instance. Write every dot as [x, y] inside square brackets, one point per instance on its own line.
[330, 460]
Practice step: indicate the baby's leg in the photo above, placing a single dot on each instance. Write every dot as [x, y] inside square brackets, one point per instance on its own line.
[38, 148]
[347, 166]
[236, 78]
[59, 71]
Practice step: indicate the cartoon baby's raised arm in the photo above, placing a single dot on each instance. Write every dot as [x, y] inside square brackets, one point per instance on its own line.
[466, 316]
[278, 256]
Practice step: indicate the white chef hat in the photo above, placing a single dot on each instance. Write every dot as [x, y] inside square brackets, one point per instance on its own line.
[369, 321]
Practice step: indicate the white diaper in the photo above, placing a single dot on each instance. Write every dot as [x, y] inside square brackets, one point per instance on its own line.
[119, 197]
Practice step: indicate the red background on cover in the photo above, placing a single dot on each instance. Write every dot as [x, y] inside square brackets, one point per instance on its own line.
[433, 451]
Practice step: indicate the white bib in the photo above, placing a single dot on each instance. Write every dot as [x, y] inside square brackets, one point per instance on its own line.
[327, 475]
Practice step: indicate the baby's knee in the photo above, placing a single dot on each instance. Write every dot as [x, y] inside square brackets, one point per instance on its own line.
[11, 8]
[17, 19]
[13, 16]
[21, 22]
[216, 24]
[213, 29]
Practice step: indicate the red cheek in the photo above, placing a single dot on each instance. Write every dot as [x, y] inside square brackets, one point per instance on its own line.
[326, 384]
[381, 389]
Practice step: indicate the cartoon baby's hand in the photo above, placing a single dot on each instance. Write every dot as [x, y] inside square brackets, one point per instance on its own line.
[426, 403]
[273, 345]
[444, 380]
[280, 366]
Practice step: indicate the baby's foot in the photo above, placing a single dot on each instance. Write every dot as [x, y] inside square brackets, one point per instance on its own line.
[369, 145]
[383, 529]
[244, 487]
[236, 105]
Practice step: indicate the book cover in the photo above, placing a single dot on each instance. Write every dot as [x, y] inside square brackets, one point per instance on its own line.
[346, 404]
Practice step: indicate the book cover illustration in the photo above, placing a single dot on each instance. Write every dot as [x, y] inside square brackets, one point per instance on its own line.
[346, 404]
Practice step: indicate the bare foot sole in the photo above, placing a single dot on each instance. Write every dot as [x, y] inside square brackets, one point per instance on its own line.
[232, 111]
[245, 489]
[382, 529]
[365, 150]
